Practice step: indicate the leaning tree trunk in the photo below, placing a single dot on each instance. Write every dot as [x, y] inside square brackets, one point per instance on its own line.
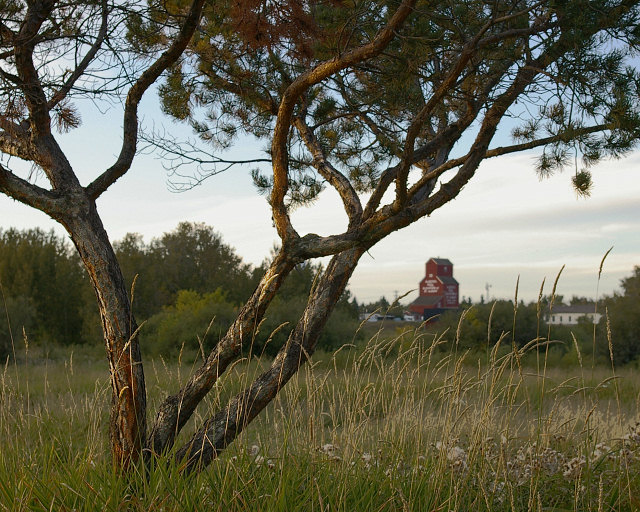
[128, 398]
[221, 429]
[176, 409]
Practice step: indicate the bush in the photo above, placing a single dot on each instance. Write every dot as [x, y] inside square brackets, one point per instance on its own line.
[192, 316]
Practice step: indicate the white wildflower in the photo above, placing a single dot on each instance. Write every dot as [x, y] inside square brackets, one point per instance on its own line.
[573, 468]
[330, 451]
[456, 453]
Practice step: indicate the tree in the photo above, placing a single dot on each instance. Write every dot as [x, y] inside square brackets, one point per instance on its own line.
[191, 257]
[40, 269]
[623, 311]
[393, 104]
[53, 52]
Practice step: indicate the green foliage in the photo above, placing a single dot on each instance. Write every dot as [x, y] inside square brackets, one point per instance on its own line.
[191, 257]
[17, 318]
[586, 94]
[171, 278]
[623, 310]
[41, 269]
[482, 325]
[192, 320]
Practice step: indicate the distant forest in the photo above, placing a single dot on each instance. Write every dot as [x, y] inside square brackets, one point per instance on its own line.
[188, 284]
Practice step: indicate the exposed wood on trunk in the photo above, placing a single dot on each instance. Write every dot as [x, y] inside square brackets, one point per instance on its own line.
[128, 395]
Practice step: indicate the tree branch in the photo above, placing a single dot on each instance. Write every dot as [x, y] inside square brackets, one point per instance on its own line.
[16, 146]
[24, 44]
[59, 95]
[176, 409]
[291, 97]
[504, 150]
[335, 178]
[148, 77]
[445, 87]
[222, 428]
[28, 193]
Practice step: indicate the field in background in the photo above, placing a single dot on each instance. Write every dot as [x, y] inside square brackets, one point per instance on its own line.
[403, 423]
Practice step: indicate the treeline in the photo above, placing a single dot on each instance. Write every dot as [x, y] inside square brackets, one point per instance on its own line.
[616, 335]
[187, 286]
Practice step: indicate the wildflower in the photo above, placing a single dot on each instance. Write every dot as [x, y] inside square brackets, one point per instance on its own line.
[498, 489]
[633, 437]
[368, 460]
[254, 450]
[573, 468]
[456, 456]
[456, 453]
[330, 451]
[601, 450]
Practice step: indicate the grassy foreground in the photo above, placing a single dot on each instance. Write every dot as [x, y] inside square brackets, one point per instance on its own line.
[393, 426]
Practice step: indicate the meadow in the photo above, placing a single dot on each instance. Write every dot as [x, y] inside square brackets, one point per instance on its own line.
[404, 422]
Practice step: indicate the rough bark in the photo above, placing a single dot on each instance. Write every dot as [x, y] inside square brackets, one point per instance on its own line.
[32, 139]
[176, 409]
[221, 429]
[128, 395]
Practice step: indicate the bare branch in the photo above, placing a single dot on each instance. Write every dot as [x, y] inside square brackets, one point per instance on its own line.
[175, 154]
[28, 193]
[336, 179]
[148, 77]
[80, 69]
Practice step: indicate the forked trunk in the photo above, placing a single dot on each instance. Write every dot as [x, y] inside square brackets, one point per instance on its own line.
[128, 399]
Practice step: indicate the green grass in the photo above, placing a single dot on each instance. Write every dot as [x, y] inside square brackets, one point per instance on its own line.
[400, 424]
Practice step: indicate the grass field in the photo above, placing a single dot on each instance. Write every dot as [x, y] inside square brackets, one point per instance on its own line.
[395, 425]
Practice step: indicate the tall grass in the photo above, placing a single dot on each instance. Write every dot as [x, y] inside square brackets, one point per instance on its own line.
[406, 422]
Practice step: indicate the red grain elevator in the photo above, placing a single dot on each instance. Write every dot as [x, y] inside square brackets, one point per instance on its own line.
[438, 290]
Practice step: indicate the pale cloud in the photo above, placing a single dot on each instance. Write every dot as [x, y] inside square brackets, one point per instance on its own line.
[505, 223]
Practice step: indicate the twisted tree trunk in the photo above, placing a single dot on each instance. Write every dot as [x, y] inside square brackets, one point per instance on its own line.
[176, 409]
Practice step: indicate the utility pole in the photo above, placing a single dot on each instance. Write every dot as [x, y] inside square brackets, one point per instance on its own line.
[487, 287]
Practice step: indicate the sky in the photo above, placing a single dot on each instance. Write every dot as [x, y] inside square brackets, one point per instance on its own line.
[505, 227]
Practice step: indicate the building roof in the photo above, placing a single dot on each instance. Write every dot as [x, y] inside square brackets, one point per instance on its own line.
[447, 280]
[577, 308]
[442, 261]
[426, 300]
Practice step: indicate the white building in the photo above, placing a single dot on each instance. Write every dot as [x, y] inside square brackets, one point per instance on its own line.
[570, 315]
